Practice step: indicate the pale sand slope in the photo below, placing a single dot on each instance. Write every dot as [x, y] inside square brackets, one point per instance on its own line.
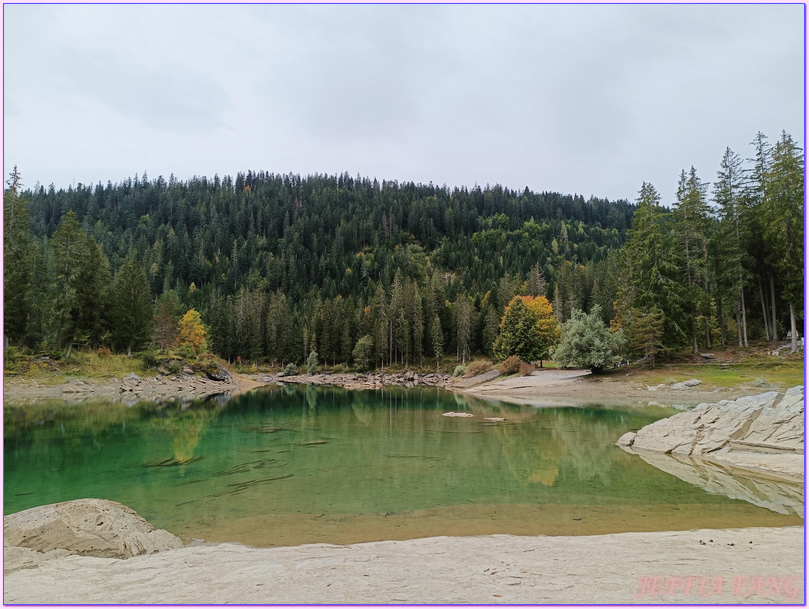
[438, 570]
[552, 387]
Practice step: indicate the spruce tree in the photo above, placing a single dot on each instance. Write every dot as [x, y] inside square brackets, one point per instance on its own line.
[132, 306]
[783, 207]
[69, 245]
[19, 253]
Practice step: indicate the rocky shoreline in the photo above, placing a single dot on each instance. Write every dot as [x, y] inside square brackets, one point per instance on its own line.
[367, 380]
[183, 386]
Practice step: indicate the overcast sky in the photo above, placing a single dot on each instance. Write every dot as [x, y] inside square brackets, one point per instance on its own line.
[576, 99]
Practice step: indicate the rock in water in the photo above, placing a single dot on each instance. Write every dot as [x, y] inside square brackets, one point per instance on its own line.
[90, 527]
[757, 433]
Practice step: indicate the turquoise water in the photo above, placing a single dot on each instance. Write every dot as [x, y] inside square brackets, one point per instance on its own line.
[324, 453]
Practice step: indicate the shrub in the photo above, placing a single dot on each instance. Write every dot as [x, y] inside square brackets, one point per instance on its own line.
[339, 369]
[103, 352]
[510, 365]
[363, 352]
[477, 367]
[13, 355]
[459, 370]
[588, 343]
[149, 359]
[291, 369]
[311, 363]
[186, 352]
[526, 369]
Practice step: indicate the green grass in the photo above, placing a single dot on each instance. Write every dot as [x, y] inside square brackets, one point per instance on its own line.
[782, 372]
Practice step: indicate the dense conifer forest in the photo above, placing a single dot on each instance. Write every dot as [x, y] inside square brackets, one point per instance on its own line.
[368, 273]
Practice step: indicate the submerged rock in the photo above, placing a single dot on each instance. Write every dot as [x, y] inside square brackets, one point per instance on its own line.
[90, 527]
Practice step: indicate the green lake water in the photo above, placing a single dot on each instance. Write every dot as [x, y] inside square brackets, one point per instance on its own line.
[299, 464]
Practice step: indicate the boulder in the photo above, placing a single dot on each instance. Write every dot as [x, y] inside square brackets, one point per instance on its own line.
[221, 374]
[90, 527]
[740, 433]
[686, 384]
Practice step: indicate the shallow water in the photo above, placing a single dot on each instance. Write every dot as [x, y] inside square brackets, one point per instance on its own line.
[289, 465]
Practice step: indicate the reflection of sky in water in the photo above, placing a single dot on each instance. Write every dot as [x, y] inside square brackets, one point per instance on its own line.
[307, 450]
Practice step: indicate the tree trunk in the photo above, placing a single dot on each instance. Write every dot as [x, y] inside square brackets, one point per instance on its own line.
[70, 349]
[794, 346]
[764, 309]
[129, 351]
[694, 349]
[744, 316]
[739, 324]
[772, 310]
[723, 323]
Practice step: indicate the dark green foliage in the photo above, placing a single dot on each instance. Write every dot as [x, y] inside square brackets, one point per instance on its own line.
[132, 307]
[279, 265]
[19, 258]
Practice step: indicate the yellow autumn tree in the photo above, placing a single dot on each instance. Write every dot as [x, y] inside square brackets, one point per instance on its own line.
[545, 325]
[192, 332]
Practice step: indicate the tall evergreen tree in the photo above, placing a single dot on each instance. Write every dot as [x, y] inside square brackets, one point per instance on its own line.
[132, 306]
[731, 239]
[650, 275]
[19, 254]
[69, 255]
[691, 225]
[783, 206]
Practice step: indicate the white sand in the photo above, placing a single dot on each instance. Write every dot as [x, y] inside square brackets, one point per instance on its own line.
[437, 570]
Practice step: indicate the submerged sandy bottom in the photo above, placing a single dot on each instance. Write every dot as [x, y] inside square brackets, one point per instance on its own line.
[756, 565]
[459, 521]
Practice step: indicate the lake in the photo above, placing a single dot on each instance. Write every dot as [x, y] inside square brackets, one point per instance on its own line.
[302, 464]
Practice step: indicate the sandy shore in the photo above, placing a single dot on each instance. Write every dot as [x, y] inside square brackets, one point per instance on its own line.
[621, 568]
[551, 387]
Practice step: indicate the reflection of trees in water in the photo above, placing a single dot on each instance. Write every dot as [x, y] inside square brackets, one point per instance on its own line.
[186, 429]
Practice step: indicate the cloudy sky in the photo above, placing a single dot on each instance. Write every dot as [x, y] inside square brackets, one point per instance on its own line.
[576, 99]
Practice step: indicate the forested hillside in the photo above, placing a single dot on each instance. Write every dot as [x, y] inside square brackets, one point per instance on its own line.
[367, 272]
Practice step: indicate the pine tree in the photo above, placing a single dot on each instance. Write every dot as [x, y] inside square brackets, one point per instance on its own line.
[783, 206]
[731, 237]
[651, 274]
[437, 338]
[93, 294]
[644, 333]
[19, 253]
[132, 306]
[69, 253]
[166, 320]
[691, 223]
[464, 312]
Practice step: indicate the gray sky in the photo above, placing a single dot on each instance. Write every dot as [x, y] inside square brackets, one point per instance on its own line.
[576, 99]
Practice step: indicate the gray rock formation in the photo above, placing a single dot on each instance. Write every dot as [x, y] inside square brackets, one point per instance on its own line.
[762, 433]
[90, 527]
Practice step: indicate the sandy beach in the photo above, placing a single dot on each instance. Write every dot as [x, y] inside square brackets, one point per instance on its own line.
[757, 565]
